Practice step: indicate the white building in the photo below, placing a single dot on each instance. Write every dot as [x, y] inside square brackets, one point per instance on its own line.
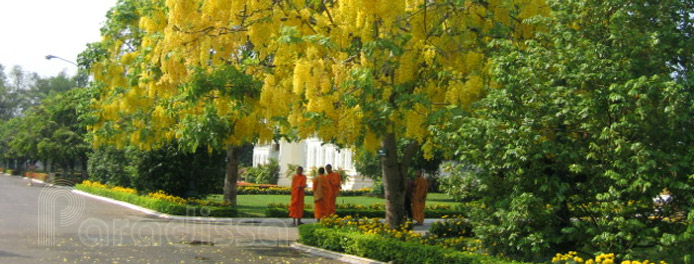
[310, 153]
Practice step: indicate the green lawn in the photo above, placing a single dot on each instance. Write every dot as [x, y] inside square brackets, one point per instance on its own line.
[254, 205]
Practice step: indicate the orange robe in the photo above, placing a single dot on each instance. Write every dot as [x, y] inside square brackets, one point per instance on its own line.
[320, 196]
[419, 197]
[296, 206]
[334, 182]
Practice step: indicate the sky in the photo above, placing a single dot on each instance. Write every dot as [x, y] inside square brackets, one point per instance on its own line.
[32, 29]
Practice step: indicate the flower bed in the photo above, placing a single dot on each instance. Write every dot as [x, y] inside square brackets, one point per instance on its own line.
[387, 249]
[572, 258]
[368, 237]
[160, 201]
[373, 210]
[36, 175]
[286, 190]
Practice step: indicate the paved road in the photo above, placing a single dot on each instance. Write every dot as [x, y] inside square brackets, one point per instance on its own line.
[40, 224]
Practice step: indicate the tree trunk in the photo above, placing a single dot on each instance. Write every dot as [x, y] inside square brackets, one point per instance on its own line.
[66, 168]
[393, 182]
[394, 170]
[231, 175]
[71, 166]
[83, 164]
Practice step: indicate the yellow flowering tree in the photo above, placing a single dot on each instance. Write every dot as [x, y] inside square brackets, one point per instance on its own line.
[379, 74]
[356, 73]
[155, 85]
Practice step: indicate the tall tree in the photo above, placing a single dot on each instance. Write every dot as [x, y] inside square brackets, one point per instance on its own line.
[364, 73]
[6, 100]
[3, 76]
[355, 73]
[67, 139]
[592, 120]
[43, 87]
[151, 91]
[12, 91]
[19, 79]
[375, 74]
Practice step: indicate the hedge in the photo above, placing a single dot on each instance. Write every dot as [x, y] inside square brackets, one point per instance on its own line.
[284, 212]
[387, 249]
[159, 205]
[286, 190]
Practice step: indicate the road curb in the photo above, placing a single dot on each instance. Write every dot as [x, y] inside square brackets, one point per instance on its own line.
[333, 255]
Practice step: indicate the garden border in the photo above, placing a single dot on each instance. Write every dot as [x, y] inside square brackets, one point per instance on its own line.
[156, 213]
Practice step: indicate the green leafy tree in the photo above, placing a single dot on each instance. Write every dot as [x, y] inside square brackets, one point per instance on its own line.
[590, 123]
[43, 87]
[176, 171]
[108, 165]
[5, 100]
[65, 141]
[9, 100]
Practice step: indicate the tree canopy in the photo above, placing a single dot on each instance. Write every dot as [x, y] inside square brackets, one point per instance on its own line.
[354, 73]
[591, 122]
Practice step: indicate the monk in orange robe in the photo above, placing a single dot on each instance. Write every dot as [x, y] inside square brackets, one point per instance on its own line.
[334, 182]
[321, 194]
[296, 206]
[419, 197]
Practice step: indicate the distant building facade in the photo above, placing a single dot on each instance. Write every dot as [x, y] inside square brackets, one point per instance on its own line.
[310, 153]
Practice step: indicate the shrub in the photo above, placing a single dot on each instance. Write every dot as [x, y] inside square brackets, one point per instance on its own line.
[378, 188]
[457, 226]
[177, 172]
[108, 165]
[263, 174]
[170, 169]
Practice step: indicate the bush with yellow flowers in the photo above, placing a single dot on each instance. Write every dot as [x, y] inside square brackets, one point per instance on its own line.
[124, 190]
[373, 226]
[95, 184]
[371, 239]
[160, 201]
[456, 226]
[161, 195]
[572, 257]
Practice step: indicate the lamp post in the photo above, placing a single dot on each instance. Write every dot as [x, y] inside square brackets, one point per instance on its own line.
[48, 57]
[79, 77]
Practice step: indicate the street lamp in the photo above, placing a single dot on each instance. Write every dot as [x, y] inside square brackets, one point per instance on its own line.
[48, 57]
[79, 77]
